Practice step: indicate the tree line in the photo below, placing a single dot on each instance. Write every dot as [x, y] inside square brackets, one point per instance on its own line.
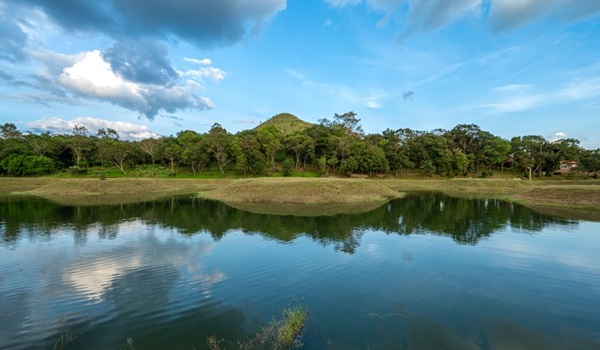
[337, 146]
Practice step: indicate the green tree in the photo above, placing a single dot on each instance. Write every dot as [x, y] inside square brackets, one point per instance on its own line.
[170, 150]
[115, 152]
[287, 165]
[218, 143]
[149, 146]
[529, 152]
[9, 131]
[591, 162]
[80, 144]
[395, 150]
[270, 140]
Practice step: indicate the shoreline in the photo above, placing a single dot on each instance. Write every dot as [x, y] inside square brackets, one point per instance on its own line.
[544, 196]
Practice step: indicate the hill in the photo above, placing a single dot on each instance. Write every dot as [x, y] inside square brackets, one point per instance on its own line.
[286, 123]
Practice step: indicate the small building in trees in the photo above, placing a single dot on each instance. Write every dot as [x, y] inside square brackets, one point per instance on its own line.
[566, 167]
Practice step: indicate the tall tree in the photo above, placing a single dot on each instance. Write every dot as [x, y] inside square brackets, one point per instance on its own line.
[170, 150]
[149, 146]
[270, 139]
[79, 143]
[115, 152]
[218, 141]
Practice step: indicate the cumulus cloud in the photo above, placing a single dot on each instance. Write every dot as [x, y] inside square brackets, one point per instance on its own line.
[141, 62]
[205, 23]
[127, 131]
[93, 77]
[135, 71]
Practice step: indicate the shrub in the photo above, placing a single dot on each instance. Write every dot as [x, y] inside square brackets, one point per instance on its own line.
[287, 165]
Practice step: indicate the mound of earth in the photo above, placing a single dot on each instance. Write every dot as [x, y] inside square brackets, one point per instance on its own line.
[302, 191]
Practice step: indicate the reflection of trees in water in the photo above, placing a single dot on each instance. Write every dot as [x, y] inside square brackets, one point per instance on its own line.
[465, 220]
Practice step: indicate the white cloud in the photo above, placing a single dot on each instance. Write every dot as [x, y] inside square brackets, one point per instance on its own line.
[557, 136]
[202, 62]
[212, 73]
[520, 99]
[126, 130]
[92, 76]
[512, 87]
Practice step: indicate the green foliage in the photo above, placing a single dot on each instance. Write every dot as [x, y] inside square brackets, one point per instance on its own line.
[331, 147]
[287, 165]
[322, 166]
[348, 166]
[283, 332]
[19, 164]
[591, 162]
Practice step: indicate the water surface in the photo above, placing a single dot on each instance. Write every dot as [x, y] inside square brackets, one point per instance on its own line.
[424, 272]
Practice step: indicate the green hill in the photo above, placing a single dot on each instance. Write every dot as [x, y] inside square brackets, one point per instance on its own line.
[286, 123]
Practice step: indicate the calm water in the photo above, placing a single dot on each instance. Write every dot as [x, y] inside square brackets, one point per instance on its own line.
[423, 272]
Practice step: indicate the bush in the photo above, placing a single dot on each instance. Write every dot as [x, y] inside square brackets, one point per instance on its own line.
[287, 165]
[322, 165]
[20, 164]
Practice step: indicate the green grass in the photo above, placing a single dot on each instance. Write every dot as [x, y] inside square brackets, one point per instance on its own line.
[283, 332]
[291, 325]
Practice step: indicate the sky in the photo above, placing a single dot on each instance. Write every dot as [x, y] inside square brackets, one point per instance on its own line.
[156, 67]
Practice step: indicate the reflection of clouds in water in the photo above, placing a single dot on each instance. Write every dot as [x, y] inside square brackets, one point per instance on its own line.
[92, 275]
[136, 269]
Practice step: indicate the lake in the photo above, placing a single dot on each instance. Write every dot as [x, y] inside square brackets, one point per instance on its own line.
[424, 272]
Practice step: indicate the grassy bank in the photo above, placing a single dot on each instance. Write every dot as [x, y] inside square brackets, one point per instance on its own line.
[302, 191]
[576, 199]
[282, 195]
[90, 191]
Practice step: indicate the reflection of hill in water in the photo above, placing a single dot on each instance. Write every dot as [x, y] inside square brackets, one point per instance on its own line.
[465, 220]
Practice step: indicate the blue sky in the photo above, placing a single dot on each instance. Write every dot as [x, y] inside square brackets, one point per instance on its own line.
[150, 67]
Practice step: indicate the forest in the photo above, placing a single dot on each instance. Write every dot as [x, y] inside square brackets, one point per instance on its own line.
[286, 145]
